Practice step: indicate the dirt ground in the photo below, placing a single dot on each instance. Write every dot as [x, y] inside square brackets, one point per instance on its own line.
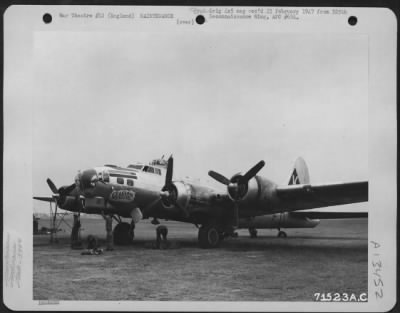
[330, 258]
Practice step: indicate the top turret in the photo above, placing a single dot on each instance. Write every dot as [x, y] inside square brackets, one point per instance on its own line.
[159, 162]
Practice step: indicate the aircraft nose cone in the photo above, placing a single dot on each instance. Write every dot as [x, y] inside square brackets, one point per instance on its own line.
[88, 179]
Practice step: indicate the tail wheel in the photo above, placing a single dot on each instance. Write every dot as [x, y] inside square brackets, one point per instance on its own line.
[209, 236]
[253, 232]
[282, 234]
[122, 234]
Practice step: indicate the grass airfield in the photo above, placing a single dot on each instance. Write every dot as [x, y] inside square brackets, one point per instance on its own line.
[333, 257]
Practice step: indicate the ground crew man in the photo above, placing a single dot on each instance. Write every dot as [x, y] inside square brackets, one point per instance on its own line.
[75, 234]
[162, 232]
[92, 246]
[109, 239]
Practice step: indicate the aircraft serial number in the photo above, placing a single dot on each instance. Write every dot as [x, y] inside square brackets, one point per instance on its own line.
[126, 195]
[340, 297]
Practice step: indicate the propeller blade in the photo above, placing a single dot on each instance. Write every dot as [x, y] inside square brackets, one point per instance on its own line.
[68, 189]
[184, 211]
[168, 175]
[149, 208]
[253, 171]
[47, 199]
[52, 186]
[236, 214]
[219, 178]
[168, 193]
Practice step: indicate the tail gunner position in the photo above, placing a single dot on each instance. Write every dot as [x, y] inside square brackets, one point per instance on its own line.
[141, 191]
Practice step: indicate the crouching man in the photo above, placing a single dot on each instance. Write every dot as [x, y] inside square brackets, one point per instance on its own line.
[92, 246]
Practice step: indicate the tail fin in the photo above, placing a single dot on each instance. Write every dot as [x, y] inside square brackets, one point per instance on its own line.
[300, 173]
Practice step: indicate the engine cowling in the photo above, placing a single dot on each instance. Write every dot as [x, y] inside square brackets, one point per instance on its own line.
[178, 195]
[259, 194]
[244, 191]
[241, 187]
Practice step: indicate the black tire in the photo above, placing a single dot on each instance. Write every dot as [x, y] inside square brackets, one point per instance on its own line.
[282, 234]
[122, 234]
[209, 236]
[253, 232]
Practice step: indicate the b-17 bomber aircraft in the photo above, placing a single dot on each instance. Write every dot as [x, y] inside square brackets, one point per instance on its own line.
[141, 191]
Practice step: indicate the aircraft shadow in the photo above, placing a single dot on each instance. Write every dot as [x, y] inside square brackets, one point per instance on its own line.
[312, 238]
[270, 244]
[298, 243]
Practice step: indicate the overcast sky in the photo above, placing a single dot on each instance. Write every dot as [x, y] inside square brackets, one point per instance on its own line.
[220, 101]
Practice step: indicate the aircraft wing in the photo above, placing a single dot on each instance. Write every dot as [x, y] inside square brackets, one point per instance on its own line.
[46, 199]
[307, 196]
[329, 215]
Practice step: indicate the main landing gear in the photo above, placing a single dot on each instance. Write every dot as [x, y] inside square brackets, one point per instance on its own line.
[155, 221]
[211, 234]
[123, 233]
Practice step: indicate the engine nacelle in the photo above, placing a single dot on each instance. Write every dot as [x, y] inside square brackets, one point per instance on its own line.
[180, 194]
[259, 195]
[243, 191]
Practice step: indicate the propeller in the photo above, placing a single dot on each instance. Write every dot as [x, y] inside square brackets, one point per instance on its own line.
[60, 193]
[237, 185]
[59, 196]
[169, 194]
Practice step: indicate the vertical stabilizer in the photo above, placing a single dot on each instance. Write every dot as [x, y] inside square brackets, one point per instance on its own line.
[300, 173]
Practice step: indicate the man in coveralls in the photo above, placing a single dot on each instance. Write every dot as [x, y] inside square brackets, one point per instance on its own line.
[109, 239]
[162, 232]
[76, 242]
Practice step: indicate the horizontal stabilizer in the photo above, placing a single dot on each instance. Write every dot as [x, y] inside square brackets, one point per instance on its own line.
[330, 215]
[46, 199]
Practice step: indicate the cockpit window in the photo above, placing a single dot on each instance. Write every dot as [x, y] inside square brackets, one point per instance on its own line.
[120, 180]
[150, 169]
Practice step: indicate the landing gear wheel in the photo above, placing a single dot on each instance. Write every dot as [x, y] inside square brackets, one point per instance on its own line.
[282, 234]
[209, 236]
[253, 232]
[122, 235]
